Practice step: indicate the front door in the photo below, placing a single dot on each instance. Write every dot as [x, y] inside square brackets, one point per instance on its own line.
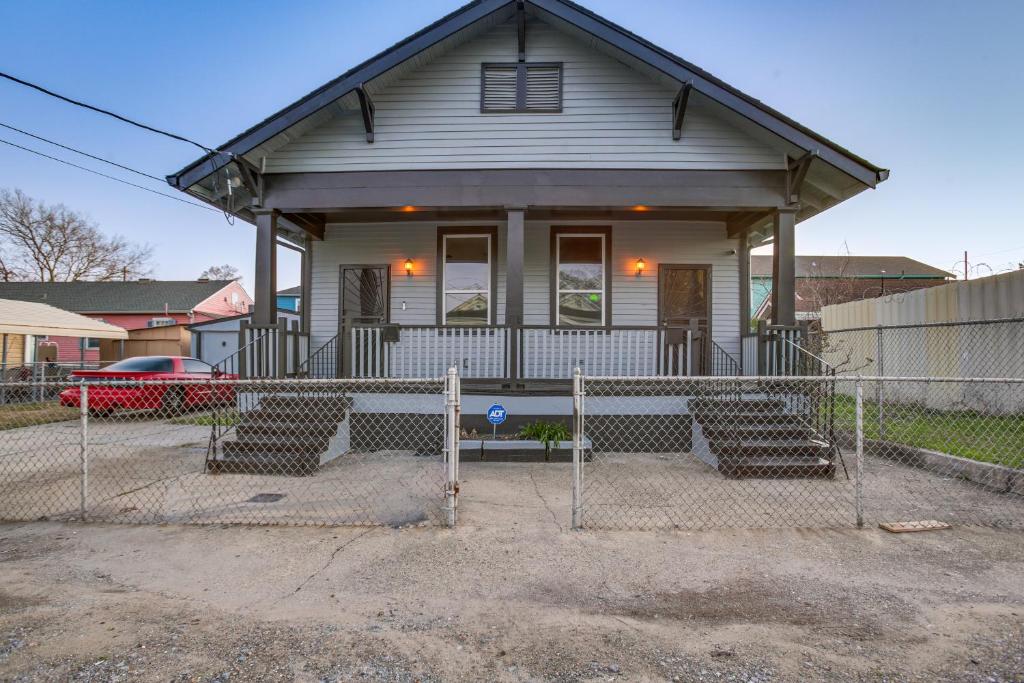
[365, 294]
[684, 301]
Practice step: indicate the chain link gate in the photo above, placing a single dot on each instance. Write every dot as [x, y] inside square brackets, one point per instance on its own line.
[294, 452]
[671, 453]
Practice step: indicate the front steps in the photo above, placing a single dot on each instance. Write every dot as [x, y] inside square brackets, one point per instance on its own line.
[759, 438]
[286, 434]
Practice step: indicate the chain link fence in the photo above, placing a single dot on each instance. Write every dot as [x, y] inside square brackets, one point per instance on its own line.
[321, 452]
[658, 453]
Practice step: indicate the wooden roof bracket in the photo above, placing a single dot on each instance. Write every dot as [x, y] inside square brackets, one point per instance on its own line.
[679, 109]
[366, 105]
[796, 174]
[251, 179]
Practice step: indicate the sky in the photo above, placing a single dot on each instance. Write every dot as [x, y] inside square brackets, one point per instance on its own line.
[933, 90]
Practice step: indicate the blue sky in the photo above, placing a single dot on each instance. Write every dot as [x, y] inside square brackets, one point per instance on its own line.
[933, 90]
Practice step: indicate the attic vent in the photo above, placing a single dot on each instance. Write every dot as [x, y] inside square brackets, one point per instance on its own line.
[521, 88]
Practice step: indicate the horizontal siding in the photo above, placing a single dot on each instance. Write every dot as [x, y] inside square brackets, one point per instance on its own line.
[634, 300]
[613, 117]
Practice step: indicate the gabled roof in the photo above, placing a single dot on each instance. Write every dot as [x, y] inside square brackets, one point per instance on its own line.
[291, 291]
[136, 296]
[636, 48]
[857, 267]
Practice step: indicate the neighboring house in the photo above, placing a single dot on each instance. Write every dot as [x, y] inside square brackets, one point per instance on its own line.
[525, 187]
[215, 340]
[132, 305]
[826, 280]
[22, 322]
[290, 299]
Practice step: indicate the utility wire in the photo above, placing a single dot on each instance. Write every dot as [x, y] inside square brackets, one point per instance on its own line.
[110, 177]
[106, 112]
[78, 151]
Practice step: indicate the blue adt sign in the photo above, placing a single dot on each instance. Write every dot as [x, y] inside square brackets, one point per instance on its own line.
[496, 414]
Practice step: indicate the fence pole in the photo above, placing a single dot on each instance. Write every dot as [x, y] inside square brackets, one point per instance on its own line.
[577, 449]
[859, 486]
[83, 449]
[879, 397]
[451, 486]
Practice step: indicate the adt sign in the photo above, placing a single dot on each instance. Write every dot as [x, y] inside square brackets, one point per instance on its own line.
[496, 414]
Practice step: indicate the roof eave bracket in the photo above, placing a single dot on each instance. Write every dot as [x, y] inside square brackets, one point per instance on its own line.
[366, 105]
[679, 109]
[796, 174]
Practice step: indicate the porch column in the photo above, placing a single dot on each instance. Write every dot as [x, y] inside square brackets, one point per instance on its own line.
[514, 282]
[784, 267]
[306, 282]
[743, 254]
[265, 289]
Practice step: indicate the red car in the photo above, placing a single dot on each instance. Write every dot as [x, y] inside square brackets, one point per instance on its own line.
[105, 395]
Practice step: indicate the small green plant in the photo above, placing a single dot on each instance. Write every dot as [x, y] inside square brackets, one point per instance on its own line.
[547, 433]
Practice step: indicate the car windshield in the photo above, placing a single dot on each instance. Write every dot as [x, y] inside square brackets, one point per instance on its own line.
[143, 364]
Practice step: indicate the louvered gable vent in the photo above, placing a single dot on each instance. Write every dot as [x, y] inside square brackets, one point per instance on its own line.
[540, 91]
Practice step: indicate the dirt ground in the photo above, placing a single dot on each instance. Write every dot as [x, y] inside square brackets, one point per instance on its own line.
[511, 595]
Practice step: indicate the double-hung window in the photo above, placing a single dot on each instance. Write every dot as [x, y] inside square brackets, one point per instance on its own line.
[581, 278]
[467, 263]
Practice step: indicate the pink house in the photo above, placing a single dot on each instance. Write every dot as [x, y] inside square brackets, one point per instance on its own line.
[133, 305]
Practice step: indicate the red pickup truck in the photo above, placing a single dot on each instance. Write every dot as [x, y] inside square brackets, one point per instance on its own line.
[114, 387]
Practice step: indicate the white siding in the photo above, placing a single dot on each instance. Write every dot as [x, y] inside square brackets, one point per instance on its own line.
[613, 117]
[634, 300]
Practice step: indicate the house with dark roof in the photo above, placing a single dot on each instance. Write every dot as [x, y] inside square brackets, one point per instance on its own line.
[826, 280]
[290, 299]
[132, 305]
[520, 188]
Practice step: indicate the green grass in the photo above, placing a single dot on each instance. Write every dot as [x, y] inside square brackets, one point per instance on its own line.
[223, 419]
[30, 414]
[995, 439]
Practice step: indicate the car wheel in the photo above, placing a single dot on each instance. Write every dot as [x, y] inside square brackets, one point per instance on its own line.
[172, 401]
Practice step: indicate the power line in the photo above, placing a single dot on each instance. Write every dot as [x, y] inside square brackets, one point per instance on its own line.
[78, 151]
[106, 112]
[110, 177]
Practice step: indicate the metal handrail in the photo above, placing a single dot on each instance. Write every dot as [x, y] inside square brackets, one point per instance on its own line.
[319, 357]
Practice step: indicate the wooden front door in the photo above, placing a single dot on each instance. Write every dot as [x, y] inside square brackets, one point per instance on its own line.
[684, 301]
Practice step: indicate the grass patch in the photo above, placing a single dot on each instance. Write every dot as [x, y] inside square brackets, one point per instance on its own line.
[30, 414]
[997, 439]
[222, 419]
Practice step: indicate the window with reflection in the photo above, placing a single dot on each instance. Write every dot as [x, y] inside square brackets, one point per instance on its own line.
[467, 279]
[580, 272]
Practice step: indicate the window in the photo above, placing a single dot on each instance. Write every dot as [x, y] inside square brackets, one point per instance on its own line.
[143, 364]
[467, 274]
[91, 343]
[196, 367]
[521, 87]
[580, 287]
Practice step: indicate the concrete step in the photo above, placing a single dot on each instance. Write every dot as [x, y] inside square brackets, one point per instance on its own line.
[276, 446]
[736, 405]
[771, 448]
[748, 431]
[264, 463]
[289, 430]
[271, 415]
[751, 418]
[776, 468]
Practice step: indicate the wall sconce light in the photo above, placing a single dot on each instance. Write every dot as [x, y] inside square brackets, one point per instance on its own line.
[408, 267]
[640, 265]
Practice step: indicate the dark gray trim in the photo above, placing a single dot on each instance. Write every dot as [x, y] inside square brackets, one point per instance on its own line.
[492, 304]
[743, 255]
[598, 27]
[679, 110]
[306, 297]
[521, 29]
[557, 230]
[783, 295]
[265, 286]
[535, 188]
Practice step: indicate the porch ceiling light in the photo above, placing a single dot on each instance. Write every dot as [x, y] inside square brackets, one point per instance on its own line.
[408, 267]
[640, 265]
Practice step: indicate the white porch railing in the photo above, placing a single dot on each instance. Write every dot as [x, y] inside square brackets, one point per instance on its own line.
[553, 353]
[478, 352]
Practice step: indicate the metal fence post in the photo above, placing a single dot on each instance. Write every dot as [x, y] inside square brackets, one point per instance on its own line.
[451, 484]
[859, 485]
[880, 367]
[577, 449]
[83, 449]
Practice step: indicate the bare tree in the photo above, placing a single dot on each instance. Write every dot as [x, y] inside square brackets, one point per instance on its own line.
[55, 244]
[224, 272]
